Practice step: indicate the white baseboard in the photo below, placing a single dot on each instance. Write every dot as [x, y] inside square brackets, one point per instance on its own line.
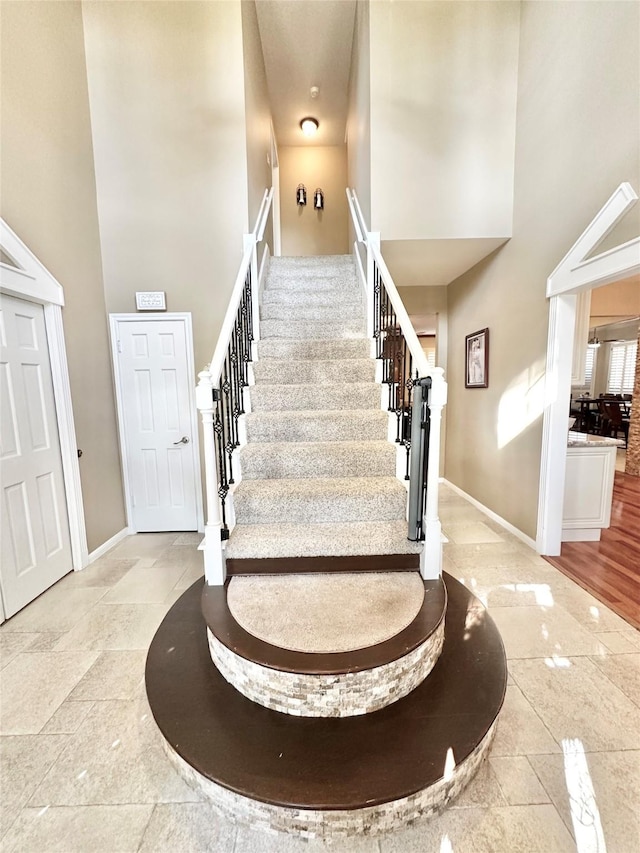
[493, 516]
[101, 550]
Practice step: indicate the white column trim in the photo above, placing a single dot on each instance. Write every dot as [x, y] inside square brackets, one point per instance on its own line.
[575, 273]
[67, 434]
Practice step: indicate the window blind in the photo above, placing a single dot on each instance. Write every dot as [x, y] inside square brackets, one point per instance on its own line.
[588, 365]
[622, 367]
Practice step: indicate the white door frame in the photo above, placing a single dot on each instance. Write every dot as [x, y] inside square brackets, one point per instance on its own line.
[185, 317]
[30, 280]
[575, 274]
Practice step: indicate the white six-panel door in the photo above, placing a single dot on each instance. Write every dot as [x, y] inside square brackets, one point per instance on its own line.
[154, 383]
[36, 550]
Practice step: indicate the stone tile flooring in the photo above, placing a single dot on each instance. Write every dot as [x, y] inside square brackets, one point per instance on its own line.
[83, 770]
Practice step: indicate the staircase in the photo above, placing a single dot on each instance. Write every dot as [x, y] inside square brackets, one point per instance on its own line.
[327, 688]
[318, 473]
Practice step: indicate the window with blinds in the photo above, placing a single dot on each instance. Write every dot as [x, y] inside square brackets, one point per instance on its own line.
[588, 365]
[622, 367]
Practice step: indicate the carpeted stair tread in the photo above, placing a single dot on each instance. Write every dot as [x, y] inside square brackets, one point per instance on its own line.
[303, 329]
[281, 262]
[277, 398]
[319, 500]
[331, 288]
[318, 425]
[276, 371]
[349, 539]
[310, 297]
[317, 459]
[335, 312]
[314, 349]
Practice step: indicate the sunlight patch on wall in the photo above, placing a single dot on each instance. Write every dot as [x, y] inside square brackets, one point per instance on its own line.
[521, 404]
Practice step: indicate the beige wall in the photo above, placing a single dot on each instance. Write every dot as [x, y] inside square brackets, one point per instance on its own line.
[166, 85]
[578, 136]
[615, 301]
[359, 115]
[427, 300]
[443, 101]
[48, 197]
[257, 114]
[306, 231]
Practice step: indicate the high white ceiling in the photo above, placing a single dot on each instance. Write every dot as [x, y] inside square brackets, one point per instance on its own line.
[307, 43]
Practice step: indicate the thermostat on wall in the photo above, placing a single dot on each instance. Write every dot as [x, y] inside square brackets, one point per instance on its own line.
[151, 300]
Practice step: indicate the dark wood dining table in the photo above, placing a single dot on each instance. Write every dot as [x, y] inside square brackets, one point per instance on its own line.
[587, 406]
[590, 408]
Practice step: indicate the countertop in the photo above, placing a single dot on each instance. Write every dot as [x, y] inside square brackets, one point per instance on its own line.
[583, 439]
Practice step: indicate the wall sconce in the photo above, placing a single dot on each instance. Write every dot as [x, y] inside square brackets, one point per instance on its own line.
[301, 195]
[318, 200]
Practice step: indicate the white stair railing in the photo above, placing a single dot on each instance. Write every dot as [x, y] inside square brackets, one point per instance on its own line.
[222, 398]
[417, 392]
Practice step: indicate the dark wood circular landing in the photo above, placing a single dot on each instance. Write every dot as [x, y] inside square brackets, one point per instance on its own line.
[326, 763]
[224, 627]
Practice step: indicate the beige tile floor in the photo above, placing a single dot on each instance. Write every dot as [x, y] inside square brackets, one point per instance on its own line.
[82, 764]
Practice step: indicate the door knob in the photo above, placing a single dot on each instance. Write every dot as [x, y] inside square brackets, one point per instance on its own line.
[183, 440]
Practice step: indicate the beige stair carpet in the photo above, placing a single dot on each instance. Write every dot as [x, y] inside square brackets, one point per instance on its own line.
[326, 613]
[318, 472]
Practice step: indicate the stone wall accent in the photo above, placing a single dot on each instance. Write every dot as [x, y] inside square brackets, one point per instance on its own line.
[335, 695]
[633, 446]
[333, 823]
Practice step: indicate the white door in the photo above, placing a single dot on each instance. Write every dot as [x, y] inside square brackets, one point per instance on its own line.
[156, 416]
[36, 550]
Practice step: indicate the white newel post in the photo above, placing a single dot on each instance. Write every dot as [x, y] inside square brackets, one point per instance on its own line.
[431, 559]
[214, 562]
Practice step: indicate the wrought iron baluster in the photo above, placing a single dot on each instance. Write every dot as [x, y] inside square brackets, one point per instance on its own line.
[233, 387]
[241, 355]
[377, 318]
[386, 343]
[248, 290]
[394, 355]
[401, 408]
[223, 484]
[247, 337]
[228, 419]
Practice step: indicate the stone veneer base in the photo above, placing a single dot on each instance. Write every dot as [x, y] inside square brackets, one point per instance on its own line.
[342, 694]
[337, 823]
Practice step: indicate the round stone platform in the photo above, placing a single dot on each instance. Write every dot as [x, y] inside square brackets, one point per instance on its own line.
[329, 777]
[393, 625]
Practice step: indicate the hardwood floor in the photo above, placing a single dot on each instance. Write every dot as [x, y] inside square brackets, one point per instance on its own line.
[610, 569]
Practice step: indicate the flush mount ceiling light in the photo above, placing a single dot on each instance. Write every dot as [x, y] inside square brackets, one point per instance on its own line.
[309, 125]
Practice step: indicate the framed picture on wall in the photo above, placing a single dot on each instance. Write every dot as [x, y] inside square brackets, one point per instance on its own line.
[477, 359]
